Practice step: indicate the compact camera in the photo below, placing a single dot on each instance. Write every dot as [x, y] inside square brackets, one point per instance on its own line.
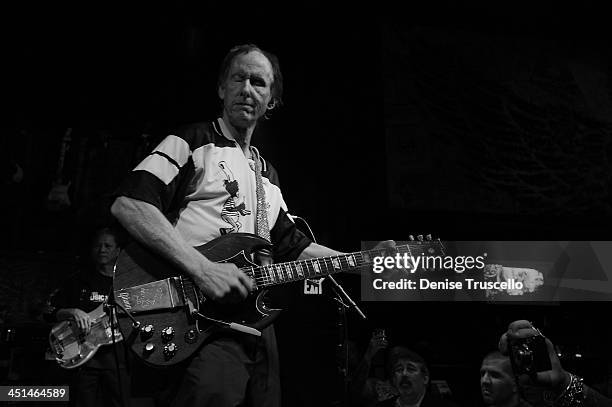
[529, 355]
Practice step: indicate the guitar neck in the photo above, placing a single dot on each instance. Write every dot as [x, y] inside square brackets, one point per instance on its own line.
[281, 273]
[62, 155]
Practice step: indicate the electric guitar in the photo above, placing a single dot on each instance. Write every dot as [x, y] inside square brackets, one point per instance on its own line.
[58, 198]
[72, 347]
[166, 317]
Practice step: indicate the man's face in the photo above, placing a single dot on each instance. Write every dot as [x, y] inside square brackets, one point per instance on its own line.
[104, 250]
[247, 91]
[496, 381]
[409, 379]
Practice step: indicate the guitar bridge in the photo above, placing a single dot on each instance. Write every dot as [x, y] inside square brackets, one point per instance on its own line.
[157, 295]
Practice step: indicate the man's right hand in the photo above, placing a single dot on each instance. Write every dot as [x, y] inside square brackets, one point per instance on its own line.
[81, 318]
[223, 282]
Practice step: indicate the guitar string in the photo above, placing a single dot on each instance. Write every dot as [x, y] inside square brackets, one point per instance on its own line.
[274, 274]
[76, 337]
[279, 277]
[315, 264]
[277, 271]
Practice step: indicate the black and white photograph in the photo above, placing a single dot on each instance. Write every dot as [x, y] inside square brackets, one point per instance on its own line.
[306, 205]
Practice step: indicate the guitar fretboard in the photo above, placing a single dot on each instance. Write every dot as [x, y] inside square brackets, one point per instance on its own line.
[281, 273]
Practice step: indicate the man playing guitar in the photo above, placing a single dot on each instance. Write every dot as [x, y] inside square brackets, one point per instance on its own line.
[85, 292]
[201, 182]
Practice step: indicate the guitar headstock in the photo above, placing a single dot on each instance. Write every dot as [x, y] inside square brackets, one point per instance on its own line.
[426, 245]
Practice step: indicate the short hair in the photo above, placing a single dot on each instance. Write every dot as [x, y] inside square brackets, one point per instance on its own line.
[277, 80]
[105, 231]
[400, 352]
[497, 355]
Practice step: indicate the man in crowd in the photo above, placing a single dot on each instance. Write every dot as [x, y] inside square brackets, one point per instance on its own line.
[409, 376]
[497, 383]
[406, 384]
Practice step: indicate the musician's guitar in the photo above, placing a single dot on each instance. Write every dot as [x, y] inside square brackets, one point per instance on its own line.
[72, 347]
[167, 318]
[58, 198]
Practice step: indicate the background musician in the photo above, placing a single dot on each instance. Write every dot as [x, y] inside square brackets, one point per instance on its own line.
[102, 377]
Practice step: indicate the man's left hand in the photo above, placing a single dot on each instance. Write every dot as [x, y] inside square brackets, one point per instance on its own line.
[386, 244]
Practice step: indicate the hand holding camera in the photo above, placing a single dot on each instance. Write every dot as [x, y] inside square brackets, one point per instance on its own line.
[533, 356]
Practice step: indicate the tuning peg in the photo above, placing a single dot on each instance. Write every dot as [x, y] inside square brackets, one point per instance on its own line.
[411, 238]
[420, 238]
[429, 238]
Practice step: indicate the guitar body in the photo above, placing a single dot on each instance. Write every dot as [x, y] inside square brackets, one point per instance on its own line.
[154, 293]
[72, 348]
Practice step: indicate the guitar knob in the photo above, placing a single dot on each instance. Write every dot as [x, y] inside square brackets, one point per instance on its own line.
[146, 332]
[170, 350]
[191, 336]
[148, 349]
[167, 334]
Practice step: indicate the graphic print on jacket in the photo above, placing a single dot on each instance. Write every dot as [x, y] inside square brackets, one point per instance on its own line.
[234, 206]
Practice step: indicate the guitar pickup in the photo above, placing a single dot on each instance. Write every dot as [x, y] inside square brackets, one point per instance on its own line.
[157, 295]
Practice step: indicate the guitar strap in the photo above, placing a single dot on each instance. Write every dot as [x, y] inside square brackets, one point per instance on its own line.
[262, 228]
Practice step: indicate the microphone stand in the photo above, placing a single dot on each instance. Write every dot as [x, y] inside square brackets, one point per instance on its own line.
[344, 302]
[111, 310]
[338, 289]
[343, 333]
[341, 293]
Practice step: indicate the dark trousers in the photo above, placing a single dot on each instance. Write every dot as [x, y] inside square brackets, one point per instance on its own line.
[240, 370]
[100, 387]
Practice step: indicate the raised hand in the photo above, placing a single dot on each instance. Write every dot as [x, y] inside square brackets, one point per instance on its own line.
[387, 245]
[556, 378]
[377, 342]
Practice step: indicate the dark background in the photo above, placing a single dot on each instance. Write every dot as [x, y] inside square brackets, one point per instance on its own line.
[468, 122]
